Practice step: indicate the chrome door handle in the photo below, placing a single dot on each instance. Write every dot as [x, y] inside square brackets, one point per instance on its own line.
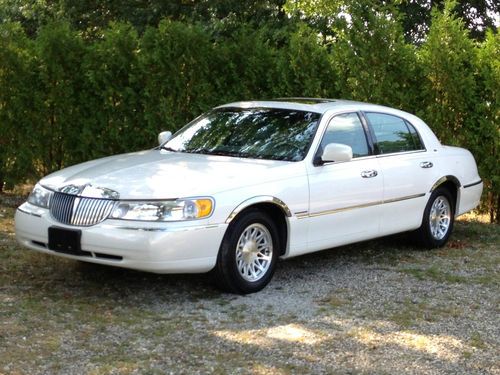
[369, 174]
[426, 164]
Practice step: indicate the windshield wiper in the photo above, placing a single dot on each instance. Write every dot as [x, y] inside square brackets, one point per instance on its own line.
[219, 153]
[168, 149]
[228, 153]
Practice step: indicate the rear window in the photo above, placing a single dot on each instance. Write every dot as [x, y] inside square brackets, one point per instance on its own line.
[393, 134]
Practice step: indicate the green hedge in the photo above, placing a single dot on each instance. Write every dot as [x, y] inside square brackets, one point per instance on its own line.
[66, 98]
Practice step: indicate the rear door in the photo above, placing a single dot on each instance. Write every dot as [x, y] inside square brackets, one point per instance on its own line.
[406, 167]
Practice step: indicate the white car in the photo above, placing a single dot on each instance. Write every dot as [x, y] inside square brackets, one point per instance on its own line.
[249, 182]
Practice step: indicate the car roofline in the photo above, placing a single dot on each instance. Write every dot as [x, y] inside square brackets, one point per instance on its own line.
[317, 105]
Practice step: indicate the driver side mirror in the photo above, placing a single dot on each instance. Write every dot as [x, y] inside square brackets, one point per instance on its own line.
[164, 137]
[335, 152]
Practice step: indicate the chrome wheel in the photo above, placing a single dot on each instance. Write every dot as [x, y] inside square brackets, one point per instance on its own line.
[254, 252]
[440, 217]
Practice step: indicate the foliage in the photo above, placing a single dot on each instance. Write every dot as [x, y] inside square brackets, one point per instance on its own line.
[111, 93]
[415, 15]
[461, 94]
[16, 99]
[58, 52]
[376, 65]
[305, 67]
[447, 58]
[175, 58]
[486, 139]
[85, 79]
[477, 16]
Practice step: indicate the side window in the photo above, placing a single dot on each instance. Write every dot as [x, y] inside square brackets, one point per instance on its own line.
[416, 139]
[348, 130]
[393, 134]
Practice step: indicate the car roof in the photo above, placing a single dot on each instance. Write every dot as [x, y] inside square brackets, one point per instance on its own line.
[321, 106]
[317, 105]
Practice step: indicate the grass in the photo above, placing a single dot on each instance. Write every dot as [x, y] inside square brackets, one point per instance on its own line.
[411, 313]
[381, 306]
[434, 273]
[477, 342]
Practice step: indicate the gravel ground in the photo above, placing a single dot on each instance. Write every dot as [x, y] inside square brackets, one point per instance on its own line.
[380, 307]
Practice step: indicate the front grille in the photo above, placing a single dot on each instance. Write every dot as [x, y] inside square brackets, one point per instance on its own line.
[80, 211]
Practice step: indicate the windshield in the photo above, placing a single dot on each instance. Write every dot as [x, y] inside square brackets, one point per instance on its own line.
[260, 133]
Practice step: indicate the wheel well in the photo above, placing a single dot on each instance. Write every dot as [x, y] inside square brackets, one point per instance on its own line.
[279, 218]
[453, 189]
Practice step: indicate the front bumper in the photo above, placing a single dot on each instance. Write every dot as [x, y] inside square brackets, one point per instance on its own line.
[153, 247]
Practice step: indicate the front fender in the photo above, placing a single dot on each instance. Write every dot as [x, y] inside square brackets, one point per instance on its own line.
[259, 199]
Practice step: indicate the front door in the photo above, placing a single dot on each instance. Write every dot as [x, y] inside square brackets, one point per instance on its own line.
[345, 197]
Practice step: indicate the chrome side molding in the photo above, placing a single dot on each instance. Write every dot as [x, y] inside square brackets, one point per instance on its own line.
[443, 180]
[256, 200]
[348, 208]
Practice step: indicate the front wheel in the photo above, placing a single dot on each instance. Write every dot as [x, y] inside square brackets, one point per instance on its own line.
[438, 220]
[248, 253]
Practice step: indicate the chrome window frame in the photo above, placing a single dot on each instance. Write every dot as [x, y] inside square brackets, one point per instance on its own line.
[374, 139]
[366, 130]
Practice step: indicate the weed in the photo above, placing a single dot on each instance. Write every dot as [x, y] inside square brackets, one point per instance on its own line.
[476, 341]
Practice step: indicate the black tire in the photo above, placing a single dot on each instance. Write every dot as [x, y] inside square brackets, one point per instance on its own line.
[425, 235]
[226, 273]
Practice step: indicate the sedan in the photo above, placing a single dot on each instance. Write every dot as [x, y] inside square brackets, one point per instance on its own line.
[250, 182]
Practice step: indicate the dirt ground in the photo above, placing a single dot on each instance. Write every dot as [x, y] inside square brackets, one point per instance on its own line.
[379, 307]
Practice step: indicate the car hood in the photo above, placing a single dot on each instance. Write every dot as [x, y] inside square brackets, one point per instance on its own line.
[160, 174]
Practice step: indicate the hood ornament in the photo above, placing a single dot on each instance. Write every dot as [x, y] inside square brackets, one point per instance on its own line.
[90, 191]
[71, 189]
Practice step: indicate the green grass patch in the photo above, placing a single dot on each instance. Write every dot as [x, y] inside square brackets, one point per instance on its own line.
[476, 341]
[434, 273]
[411, 313]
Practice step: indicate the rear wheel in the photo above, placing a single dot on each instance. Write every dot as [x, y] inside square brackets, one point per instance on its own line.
[438, 220]
[248, 253]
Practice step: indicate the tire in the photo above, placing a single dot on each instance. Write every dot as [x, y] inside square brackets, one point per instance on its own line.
[438, 220]
[248, 254]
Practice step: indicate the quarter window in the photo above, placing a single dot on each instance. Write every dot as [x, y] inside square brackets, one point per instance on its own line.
[393, 134]
[348, 130]
[416, 139]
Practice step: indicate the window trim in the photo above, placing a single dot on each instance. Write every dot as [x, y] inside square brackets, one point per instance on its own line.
[238, 108]
[408, 124]
[366, 130]
[374, 138]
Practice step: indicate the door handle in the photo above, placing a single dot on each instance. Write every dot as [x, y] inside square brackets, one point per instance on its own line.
[369, 174]
[426, 164]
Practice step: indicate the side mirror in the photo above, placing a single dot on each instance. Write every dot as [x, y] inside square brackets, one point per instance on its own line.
[336, 152]
[164, 136]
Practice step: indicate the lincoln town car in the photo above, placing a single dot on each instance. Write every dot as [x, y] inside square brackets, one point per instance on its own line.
[248, 183]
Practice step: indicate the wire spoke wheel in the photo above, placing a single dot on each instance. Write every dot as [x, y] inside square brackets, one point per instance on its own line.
[254, 252]
[440, 217]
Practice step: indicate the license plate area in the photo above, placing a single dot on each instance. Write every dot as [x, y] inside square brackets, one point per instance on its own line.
[67, 241]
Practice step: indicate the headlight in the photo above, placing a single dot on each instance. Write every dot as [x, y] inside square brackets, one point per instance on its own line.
[40, 196]
[177, 210]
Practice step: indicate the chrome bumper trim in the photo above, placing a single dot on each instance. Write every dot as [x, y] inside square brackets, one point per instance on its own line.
[161, 229]
[28, 213]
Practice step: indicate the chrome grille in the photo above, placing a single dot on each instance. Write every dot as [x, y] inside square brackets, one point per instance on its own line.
[80, 211]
